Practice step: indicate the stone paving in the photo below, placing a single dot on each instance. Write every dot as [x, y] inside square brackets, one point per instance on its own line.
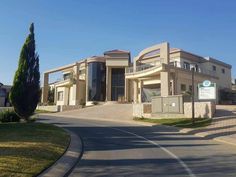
[223, 127]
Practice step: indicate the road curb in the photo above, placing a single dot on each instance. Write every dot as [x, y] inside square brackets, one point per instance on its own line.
[65, 164]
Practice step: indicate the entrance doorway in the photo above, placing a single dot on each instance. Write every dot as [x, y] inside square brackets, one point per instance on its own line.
[117, 83]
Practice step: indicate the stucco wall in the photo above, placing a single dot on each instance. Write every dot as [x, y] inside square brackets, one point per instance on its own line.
[142, 110]
[5, 108]
[202, 109]
[49, 108]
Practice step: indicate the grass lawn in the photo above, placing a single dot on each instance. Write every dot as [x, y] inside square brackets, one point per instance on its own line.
[178, 122]
[28, 148]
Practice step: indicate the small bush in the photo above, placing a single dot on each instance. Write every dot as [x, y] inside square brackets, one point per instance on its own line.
[9, 116]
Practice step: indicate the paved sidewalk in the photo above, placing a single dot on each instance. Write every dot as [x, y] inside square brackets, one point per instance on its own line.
[223, 127]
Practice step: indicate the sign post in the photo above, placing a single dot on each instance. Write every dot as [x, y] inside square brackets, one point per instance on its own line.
[207, 90]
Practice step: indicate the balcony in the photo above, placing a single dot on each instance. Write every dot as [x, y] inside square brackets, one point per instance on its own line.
[156, 65]
[143, 67]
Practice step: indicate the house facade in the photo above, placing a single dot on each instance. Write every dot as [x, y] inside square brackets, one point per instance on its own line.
[157, 71]
[4, 95]
[94, 79]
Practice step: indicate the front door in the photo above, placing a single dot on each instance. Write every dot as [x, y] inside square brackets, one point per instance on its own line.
[117, 83]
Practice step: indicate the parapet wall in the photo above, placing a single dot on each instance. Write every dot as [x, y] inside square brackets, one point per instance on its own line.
[202, 109]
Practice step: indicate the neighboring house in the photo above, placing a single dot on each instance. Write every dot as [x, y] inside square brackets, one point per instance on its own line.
[234, 85]
[4, 95]
[156, 71]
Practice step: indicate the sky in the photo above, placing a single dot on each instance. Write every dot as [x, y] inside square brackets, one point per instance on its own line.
[69, 30]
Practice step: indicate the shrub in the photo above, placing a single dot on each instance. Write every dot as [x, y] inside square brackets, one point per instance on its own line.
[9, 116]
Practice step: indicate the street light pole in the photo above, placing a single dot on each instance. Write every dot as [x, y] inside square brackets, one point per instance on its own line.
[193, 107]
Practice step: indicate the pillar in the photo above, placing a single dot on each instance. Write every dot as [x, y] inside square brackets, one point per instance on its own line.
[86, 81]
[165, 53]
[165, 83]
[140, 91]
[45, 88]
[77, 84]
[108, 83]
[135, 84]
[126, 90]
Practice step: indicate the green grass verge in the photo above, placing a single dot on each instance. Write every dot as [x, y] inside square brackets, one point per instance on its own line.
[178, 122]
[28, 148]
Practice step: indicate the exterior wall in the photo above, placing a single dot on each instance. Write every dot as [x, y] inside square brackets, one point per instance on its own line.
[5, 108]
[224, 80]
[117, 62]
[4, 92]
[142, 110]
[185, 78]
[202, 109]
[49, 108]
[65, 96]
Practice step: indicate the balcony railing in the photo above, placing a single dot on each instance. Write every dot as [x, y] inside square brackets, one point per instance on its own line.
[198, 68]
[143, 67]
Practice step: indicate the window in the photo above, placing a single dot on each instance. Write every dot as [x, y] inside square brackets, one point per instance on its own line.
[183, 87]
[223, 70]
[214, 68]
[60, 96]
[186, 65]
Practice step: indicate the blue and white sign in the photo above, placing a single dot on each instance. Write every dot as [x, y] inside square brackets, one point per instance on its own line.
[206, 83]
[207, 90]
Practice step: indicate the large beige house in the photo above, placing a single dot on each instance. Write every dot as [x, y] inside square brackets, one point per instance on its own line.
[157, 71]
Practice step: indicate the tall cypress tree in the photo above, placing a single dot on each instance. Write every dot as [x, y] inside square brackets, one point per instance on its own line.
[25, 92]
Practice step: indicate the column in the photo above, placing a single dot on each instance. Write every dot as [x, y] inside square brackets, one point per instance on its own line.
[107, 84]
[86, 81]
[126, 90]
[165, 83]
[135, 83]
[165, 53]
[77, 85]
[140, 91]
[45, 88]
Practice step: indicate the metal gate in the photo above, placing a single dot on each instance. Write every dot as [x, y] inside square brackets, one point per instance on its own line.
[170, 104]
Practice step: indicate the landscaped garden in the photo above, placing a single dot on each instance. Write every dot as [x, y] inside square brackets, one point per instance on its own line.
[28, 148]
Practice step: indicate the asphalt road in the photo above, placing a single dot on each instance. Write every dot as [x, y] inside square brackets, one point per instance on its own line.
[121, 149]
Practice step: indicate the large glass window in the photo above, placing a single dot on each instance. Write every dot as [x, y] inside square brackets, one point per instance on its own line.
[117, 83]
[96, 81]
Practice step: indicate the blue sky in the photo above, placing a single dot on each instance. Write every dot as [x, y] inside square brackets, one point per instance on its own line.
[69, 30]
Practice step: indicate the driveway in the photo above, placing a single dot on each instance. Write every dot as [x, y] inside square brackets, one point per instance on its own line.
[114, 148]
[119, 112]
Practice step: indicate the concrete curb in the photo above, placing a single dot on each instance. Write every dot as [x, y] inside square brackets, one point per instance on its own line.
[64, 165]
